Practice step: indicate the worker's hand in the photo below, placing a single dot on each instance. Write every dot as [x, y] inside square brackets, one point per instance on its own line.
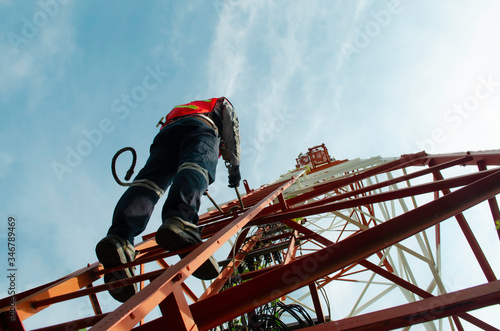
[234, 176]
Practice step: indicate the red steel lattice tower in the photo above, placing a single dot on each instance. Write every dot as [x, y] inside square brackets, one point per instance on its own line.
[332, 245]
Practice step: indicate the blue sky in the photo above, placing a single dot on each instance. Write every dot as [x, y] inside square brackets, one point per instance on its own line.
[80, 80]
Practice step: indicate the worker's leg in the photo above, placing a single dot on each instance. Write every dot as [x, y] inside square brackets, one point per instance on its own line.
[198, 156]
[196, 170]
[134, 209]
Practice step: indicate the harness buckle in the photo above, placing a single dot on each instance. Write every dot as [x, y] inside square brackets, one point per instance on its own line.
[160, 122]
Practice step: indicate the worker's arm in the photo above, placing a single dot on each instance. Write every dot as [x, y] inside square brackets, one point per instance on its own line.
[231, 136]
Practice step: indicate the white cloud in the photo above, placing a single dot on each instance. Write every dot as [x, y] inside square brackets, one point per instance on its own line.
[38, 57]
[360, 9]
[16, 68]
[6, 161]
[447, 72]
[228, 59]
[277, 55]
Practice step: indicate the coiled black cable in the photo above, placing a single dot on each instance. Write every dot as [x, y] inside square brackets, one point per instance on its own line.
[130, 171]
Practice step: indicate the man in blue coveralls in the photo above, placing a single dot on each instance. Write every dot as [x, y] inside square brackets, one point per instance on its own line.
[184, 156]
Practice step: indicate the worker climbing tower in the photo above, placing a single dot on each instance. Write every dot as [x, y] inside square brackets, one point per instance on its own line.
[377, 243]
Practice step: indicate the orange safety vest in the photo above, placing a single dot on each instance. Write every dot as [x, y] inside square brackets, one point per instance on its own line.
[195, 107]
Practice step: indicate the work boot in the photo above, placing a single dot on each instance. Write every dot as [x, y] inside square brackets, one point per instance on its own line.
[113, 251]
[175, 233]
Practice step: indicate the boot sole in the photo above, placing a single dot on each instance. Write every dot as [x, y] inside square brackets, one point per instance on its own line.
[208, 270]
[122, 293]
[171, 238]
[111, 256]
